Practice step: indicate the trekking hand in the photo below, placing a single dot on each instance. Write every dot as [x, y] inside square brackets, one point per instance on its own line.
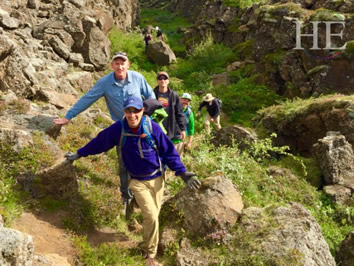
[72, 156]
[191, 181]
[61, 121]
[188, 146]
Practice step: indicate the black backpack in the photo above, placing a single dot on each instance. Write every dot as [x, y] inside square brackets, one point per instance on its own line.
[219, 102]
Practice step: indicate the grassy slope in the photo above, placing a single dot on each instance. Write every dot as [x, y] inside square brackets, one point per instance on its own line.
[98, 182]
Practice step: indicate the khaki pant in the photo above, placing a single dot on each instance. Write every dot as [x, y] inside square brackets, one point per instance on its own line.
[148, 194]
[207, 123]
[179, 147]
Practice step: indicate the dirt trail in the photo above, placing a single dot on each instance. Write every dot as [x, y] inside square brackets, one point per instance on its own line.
[53, 242]
[50, 239]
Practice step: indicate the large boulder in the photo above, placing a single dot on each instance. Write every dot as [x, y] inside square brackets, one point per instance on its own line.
[216, 206]
[58, 181]
[345, 254]
[336, 159]
[16, 248]
[286, 231]
[160, 53]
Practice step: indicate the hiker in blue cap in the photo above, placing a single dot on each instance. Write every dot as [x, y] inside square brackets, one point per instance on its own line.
[115, 87]
[145, 158]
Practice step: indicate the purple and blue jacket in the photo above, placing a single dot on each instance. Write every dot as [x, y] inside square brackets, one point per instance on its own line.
[137, 166]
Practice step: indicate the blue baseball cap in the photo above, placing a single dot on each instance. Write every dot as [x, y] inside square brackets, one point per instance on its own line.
[133, 102]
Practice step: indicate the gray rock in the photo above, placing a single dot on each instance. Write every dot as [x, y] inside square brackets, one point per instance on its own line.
[339, 194]
[82, 80]
[218, 79]
[58, 180]
[216, 206]
[287, 231]
[59, 47]
[60, 100]
[96, 49]
[160, 53]
[345, 254]
[8, 22]
[16, 248]
[336, 159]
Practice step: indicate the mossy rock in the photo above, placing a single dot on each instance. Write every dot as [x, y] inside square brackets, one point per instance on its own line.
[244, 50]
[325, 15]
[349, 49]
[277, 11]
[316, 69]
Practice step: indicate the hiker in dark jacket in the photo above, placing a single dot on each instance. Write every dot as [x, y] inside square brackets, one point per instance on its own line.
[213, 109]
[143, 164]
[175, 122]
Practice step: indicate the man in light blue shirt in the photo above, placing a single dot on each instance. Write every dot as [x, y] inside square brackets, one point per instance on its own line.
[116, 87]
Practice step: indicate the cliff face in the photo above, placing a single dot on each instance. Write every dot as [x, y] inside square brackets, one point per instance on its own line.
[270, 32]
[40, 40]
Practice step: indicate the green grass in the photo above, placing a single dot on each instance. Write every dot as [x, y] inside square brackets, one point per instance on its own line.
[240, 3]
[289, 109]
[248, 171]
[106, 254]
[243, 99]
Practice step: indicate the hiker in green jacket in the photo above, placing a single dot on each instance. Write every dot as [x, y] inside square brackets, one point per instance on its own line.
[186, 99]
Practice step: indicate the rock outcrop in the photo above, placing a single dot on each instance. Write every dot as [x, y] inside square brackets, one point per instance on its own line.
[336, 159]
[346, 251]
[288, 233]
[270, 31]
[301, 128]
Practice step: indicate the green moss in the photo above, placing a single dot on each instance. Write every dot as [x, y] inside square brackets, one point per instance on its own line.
[234, 26]
[349, 49]
[243, 50]
[323, 14]
[276, 11]
[288, 110]
[274, 58]
[240, 3]
[316, 70]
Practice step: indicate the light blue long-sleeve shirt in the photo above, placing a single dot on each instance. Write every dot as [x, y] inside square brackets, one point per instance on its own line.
[114, 92]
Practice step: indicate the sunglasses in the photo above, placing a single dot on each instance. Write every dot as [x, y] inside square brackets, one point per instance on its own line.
[131, 111]
[162, 78]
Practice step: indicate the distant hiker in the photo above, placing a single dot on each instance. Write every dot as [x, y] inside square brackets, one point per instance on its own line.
[143, 164]
[115, 87]
[147, 40]
[159, 34]
[175, 122]
[213, 106]
[186, 99]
